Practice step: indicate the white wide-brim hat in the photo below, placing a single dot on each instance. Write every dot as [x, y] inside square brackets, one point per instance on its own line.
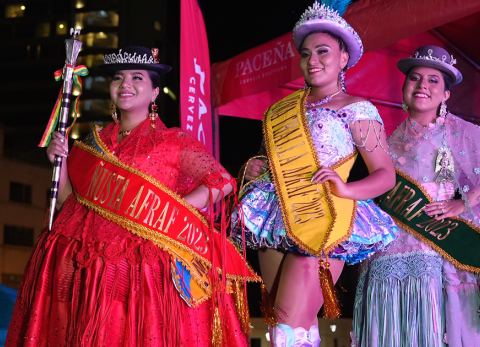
[321, 18]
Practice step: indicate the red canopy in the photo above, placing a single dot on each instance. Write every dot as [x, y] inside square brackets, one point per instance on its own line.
[247, 84]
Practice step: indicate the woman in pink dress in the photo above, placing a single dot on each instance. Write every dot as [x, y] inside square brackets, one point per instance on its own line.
[423, 290]
[130, 260]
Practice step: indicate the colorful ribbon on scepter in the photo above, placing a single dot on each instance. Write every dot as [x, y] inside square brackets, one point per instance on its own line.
[78, 71]
[70, 74]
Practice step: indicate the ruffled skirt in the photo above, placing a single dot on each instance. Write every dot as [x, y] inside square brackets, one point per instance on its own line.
[77, 293]
[415, 298]
[372, 230]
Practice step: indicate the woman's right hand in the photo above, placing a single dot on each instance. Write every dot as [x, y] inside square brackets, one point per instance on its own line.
[58, 146]
[254, 168]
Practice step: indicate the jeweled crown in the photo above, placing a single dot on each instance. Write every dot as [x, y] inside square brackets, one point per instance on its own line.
[327, 17]
[321, 11]
[444, 58]
[123, 57]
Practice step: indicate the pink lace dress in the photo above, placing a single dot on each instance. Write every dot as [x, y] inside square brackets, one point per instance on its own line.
[408, 294]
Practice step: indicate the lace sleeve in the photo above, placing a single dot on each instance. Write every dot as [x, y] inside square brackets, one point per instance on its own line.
[466, 151]
[198, 167]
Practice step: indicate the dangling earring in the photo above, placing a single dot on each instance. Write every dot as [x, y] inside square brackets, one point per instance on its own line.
[153, 114]
[113, 110]
[404, 106]
[443, 109]
[341, 78]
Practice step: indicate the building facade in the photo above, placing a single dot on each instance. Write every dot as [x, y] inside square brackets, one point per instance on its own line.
[23, 203]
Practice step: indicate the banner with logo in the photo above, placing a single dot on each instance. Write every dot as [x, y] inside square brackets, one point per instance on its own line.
[195, 105]
[272, 64]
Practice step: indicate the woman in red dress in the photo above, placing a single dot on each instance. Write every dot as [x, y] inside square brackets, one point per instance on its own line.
[123, 265]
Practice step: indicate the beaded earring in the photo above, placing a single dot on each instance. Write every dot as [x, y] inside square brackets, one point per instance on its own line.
[443, 109]
[404, 106]
[153, 114]
[341, 78]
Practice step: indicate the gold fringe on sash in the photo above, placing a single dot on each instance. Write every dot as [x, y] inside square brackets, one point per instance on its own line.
[267, 307]
[331, 306]
[241, 306]
[217, 332]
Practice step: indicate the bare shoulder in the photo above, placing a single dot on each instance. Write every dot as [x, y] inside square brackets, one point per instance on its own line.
[345, 100]
[351, 99]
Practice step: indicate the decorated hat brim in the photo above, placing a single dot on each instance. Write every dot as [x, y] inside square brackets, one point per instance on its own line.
[351, 39]
[405, 65]
[108, 69]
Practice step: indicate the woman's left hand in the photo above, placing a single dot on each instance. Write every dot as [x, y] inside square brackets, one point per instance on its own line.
[445, 209]
[338, 187]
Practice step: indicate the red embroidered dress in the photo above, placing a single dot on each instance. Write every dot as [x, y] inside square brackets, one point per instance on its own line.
[91, 282]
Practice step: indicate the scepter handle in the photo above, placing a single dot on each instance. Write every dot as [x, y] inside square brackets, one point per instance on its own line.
[72, 47]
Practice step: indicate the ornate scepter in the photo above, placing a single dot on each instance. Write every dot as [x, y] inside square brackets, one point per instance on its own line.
[70, 75]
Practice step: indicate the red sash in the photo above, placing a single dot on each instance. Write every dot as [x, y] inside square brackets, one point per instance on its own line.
[145, 207]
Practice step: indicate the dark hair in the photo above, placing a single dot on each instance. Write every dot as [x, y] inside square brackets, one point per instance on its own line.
[448, 80]
[155, 78]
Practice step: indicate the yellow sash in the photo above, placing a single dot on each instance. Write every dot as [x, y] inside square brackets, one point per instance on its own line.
[314, 218]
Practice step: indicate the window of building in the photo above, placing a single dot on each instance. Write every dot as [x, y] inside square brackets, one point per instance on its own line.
[43, 29]
[17, 236]
[79, 4]
[100, 39]
[90, 60]
[96, 19]
[62, 28]
[14, 10]
[20, 192]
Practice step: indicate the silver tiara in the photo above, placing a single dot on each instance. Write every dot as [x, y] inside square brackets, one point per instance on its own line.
[317, 11]
[128, 58]
[443, 59]
[321, 13]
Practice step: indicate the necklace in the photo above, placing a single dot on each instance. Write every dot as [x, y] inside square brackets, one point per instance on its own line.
[444, 163]
[323, 100]
[124, 132]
